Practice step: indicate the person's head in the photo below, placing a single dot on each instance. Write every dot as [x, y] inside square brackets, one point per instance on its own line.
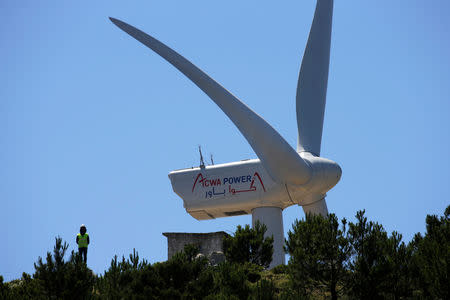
[82, 229]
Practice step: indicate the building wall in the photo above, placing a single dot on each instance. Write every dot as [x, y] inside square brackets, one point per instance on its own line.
[207, 242]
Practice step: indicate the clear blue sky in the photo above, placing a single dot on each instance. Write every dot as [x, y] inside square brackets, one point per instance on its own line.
[91, 121]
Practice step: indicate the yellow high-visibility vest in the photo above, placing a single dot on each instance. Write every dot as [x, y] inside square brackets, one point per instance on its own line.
[82, 240]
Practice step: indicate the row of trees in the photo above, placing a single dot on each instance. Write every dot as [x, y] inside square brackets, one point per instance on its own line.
[361, 261]
[328, 259]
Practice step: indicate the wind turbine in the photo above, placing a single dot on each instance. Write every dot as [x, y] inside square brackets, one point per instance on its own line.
[282, 176]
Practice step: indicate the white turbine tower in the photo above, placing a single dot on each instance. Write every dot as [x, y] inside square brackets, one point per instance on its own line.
[282, 176]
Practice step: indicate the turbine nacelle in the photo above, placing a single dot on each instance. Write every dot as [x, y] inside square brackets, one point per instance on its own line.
[238, 188]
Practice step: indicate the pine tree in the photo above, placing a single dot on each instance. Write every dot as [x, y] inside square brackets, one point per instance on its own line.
[369, 264]
[249, 245]
[398, 281]
[62, 279]
[319, 252]
[431, 257]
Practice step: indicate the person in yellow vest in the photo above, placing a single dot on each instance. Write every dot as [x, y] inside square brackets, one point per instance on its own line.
[83, 242]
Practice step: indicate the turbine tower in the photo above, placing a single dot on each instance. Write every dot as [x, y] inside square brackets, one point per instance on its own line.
[282, 176]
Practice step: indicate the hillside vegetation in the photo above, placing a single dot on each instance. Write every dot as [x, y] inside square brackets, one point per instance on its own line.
[329, 259]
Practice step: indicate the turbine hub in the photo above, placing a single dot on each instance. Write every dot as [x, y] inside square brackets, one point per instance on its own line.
[325, 175]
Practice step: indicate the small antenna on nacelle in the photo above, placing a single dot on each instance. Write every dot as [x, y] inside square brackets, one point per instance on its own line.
[202, 162]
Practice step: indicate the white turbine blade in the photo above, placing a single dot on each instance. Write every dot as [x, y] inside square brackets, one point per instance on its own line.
[281, 161]
[313, 79]
[316, 208]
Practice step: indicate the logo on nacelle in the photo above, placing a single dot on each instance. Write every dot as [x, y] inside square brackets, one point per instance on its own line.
[228, 181]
